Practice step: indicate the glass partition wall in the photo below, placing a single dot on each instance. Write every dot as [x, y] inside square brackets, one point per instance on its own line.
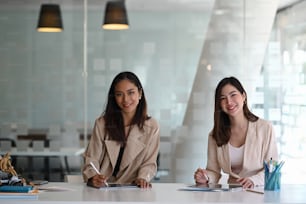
[45, 77]
[284, 87]
[43, 82]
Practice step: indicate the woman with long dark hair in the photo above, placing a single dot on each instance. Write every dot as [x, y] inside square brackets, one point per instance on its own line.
[239, 142]
[125, 141]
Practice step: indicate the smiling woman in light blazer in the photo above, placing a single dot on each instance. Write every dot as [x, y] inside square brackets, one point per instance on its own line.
[240, 142]
[125, 141]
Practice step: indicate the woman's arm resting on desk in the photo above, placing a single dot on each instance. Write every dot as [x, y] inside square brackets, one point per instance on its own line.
[246, 182]
[142, 183]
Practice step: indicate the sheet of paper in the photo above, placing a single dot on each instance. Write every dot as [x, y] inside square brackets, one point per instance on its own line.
[212, 187]
[53, 188]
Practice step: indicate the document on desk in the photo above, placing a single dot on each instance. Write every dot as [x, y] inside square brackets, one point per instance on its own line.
[119, 186]
[53, 188]
[211, 187]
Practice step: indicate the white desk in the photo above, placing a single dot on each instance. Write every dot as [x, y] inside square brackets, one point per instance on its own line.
[164, 193]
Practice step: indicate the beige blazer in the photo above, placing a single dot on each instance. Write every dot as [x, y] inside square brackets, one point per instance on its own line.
[260, 146]
[139, 157]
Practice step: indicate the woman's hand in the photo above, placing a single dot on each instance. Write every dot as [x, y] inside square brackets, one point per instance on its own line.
[142, 183]
[97, 181]
[200, 176]
[246, 182]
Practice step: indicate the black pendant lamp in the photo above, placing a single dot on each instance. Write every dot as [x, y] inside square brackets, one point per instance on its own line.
[50, 19]
[115, 17]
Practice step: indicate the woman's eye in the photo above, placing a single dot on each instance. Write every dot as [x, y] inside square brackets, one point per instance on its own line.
[131, 92]
[118, 94]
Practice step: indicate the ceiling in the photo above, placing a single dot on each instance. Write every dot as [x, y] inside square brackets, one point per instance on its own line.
[143, 5]
[287, 3]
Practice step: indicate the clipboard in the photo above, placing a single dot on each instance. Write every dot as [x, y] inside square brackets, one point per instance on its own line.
[121, 185]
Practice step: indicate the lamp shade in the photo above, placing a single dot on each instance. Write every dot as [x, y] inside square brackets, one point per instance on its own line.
[50, 19]
[115, 16]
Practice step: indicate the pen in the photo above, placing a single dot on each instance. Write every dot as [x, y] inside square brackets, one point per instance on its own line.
[254, 191]
[271, 166]
[206, 177]
[93, 166]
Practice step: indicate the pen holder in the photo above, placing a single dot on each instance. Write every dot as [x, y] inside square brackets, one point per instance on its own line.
[272, 180]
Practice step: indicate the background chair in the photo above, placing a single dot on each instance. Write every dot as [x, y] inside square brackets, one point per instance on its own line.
[5, 145]
[7, 132]
[22, 145]
[69, 178]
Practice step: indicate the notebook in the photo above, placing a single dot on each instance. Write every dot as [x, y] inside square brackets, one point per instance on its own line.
[18, 192]
[18, 196]
[16, 189]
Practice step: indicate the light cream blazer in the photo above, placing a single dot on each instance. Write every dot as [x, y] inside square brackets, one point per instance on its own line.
[260, 146]
[139, 157]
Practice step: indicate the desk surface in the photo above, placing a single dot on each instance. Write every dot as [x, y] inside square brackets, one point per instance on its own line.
[46, 152]
[164, 193]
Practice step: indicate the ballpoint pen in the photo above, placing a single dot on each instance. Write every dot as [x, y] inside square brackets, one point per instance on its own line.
[93, 166]
[254, 191]
[271, 165]
[206, 177]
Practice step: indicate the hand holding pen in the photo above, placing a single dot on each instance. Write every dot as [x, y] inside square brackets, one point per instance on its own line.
[200, 176]
[98, 180]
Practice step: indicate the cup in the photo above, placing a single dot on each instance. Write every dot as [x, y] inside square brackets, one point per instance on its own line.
[272, 180]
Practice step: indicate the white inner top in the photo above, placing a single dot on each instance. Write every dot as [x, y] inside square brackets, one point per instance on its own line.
[236, 156]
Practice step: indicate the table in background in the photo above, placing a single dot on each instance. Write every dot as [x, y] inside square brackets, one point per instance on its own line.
[165, 193]
[62, 153]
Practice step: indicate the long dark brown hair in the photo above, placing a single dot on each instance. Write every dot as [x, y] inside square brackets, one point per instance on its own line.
[222, 127]
[114, 124]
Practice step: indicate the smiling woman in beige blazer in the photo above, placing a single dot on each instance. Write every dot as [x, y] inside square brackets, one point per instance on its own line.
[240, 142]
[125, 141]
